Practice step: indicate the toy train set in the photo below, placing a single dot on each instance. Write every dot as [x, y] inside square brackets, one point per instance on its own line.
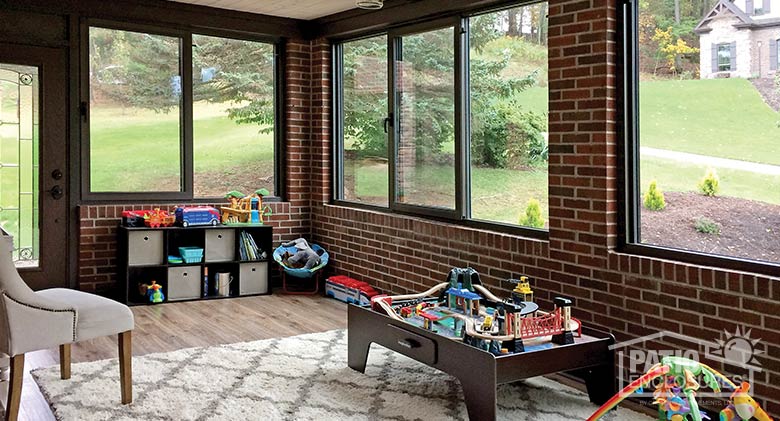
[463, 309]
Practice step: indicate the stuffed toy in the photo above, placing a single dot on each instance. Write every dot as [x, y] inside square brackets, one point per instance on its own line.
[305, 257]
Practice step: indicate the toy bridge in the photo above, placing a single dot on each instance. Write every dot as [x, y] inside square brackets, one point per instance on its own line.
[545, 325]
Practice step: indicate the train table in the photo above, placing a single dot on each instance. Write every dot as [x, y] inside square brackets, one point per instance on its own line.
[496, 345]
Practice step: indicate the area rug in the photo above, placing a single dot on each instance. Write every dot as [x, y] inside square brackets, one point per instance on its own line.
[297, 378]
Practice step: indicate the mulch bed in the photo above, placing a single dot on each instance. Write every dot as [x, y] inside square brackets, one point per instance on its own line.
[769, 91]
[749, 229]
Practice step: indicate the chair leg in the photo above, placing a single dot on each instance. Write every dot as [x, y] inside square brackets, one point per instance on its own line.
[15, 388]
[65, 361]
[126, 366]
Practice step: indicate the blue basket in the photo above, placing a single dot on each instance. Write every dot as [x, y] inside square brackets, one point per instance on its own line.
[191, 254]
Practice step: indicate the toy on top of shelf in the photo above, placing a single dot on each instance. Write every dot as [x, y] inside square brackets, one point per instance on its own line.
[196, 215]
[154, 293]
[349, 290]
[158, 218]
[245, 209]
[463, 309]
[676, 396]
[134, 218]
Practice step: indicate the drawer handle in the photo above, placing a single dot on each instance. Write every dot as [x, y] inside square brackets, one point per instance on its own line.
[184, 274]
[253, 269]
[219, 236]
[146, 238]
[409, 343]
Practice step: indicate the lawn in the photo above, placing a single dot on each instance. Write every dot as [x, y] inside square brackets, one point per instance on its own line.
[726, 118]
[138, 150]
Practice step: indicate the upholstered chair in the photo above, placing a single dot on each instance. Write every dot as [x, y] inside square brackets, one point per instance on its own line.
[31, 321]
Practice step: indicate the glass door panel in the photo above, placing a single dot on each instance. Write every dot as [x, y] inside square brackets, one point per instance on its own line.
[19, 129]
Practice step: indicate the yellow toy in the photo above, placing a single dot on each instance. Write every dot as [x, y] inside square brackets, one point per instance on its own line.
[743, 407]
[242, 208]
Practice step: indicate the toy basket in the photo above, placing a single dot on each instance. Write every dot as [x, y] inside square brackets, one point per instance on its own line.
[302, 273]
[191, 254]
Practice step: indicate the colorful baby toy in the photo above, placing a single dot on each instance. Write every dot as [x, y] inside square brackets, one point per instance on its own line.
[676, 397]
[154, 293]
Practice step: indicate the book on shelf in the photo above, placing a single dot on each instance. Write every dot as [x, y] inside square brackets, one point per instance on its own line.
[248, 247]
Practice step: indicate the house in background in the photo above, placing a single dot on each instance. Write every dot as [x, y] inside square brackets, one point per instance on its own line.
[740, 39]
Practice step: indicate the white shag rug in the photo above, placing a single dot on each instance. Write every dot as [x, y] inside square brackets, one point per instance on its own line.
[297, 378]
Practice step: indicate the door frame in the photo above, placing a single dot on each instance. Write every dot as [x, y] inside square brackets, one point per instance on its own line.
[54, 241]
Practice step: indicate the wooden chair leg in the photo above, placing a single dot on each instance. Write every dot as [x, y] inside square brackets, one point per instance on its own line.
[126, 366]
[15, 388]
[65, 361]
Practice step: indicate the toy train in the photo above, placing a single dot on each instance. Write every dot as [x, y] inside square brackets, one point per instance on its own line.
[344, 288]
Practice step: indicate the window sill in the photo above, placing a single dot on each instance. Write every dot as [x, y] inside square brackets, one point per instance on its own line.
[701, 259]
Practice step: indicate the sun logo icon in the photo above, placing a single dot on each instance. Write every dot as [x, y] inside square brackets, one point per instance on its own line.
[738, 348]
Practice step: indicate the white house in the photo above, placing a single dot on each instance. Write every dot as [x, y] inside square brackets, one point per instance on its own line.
[740, 39]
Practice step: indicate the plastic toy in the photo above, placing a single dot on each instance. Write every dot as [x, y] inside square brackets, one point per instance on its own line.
[158, 218]
[245, 209]
[676, 396]
[196, 215]
[134, 218]
[348, 290]
[463, 309]
[154, 293]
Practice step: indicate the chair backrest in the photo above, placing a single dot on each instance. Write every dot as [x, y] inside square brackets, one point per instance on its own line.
[10, 281]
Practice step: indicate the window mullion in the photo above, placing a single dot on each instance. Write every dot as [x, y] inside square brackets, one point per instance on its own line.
[462, 113]
[187, 148]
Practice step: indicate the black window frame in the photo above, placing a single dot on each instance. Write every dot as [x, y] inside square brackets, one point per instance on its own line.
[461, 213]
[629, 215]
[186, 137]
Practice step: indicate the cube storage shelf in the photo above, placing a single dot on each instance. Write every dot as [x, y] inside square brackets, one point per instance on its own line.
[143, 257]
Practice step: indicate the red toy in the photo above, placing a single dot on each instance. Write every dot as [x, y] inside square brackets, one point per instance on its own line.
[344, 288]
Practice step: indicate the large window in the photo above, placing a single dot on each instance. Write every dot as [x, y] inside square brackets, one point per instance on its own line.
[707, 156]
[462, 133]
[155, 131]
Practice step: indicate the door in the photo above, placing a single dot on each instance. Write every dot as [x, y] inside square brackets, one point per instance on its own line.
[33, 163]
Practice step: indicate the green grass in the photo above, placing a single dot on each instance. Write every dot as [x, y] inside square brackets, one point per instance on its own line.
[138, 150]
[676, 176]
[725, 118]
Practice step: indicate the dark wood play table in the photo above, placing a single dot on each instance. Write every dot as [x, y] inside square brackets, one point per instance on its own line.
[589, 358]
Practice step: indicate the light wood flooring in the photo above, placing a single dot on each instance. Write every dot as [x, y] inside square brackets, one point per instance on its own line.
[173, 326]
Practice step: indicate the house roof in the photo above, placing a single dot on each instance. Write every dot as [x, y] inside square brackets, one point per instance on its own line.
[722, 6]
[745, 21]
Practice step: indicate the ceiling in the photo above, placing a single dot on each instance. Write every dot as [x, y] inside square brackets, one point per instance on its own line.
[298, 9]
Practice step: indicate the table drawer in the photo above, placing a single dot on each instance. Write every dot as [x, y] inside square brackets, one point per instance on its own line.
[410, 344]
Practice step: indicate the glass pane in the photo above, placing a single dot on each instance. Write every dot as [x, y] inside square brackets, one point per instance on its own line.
[508, 78]
[19, 160]
[233, 115]
[709, 150]
[135, 103]
[364, 76]
[425, 85]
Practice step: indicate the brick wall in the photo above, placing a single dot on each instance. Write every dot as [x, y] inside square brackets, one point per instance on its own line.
[630, 296]
[290, 219]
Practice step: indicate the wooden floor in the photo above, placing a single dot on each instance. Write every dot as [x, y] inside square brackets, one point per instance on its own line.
[173, 326]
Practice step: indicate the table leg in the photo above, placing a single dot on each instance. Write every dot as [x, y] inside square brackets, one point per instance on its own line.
[479, 392]
[600, 381]
[357, 350]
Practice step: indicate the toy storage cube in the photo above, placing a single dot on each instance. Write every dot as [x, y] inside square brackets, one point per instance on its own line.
[146, 248]
[253, 278]
[183, 283]
[220, 245]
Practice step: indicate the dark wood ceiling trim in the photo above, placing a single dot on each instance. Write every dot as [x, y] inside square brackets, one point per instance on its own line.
[394, 13]
[168, 13]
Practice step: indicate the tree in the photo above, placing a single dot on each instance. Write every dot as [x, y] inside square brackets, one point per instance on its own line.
[512, 29]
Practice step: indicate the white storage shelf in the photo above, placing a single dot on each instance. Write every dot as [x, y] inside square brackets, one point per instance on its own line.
[143, 257]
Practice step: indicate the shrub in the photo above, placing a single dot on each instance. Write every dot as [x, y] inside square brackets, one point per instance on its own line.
[533, 215]
[654, 198]
[707, 226]
[709, 185]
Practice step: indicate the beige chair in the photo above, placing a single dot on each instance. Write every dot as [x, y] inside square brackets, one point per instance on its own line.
[31, 321]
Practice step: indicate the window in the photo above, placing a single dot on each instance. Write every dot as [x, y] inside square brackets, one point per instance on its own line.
[233, 115]
[363, 112]
[704, 168]
[724, 57]
[465, 129]
[155, 131]
[135, 98]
